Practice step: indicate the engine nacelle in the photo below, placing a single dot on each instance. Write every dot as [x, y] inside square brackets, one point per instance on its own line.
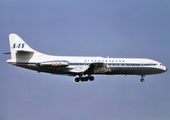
[56, 63]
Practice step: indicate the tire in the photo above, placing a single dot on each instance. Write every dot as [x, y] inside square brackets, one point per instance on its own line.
[142, 80]
[77, 79]
[91, 78]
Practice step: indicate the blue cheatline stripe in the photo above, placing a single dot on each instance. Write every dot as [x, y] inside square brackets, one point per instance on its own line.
[116, 64]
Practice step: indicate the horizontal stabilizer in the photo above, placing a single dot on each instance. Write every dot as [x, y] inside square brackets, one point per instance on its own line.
[7, 53]
[24, 51]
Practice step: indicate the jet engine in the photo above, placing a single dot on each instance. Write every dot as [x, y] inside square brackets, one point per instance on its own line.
[56, 63]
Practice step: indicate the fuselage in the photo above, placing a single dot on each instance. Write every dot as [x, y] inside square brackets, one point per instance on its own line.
[127, 66]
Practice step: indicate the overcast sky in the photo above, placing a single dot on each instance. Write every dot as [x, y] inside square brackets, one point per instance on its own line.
[114, 28]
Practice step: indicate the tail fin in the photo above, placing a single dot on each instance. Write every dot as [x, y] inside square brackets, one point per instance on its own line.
[19, 48]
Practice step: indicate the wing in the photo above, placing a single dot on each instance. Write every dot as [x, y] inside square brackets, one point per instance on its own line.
[93, 68]
[78, 70]
[97, 68]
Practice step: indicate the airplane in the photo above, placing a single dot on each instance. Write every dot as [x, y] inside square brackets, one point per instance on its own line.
[24, 56]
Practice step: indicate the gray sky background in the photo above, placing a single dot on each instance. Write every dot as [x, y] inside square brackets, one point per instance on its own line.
[114, 28]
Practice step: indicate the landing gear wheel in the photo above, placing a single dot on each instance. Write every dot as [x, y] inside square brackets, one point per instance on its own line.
[142, 79]
[82, 79]
[77, 79]
[85, 78]
[91, 78]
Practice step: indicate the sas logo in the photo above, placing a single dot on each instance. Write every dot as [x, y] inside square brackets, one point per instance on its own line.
[18, 45]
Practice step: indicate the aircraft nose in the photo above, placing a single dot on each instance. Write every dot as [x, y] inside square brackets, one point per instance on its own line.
[165, 69]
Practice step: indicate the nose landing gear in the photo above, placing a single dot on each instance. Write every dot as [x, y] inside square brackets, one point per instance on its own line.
[142, 79]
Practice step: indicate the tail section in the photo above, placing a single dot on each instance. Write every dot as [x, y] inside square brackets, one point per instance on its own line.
[20, 51]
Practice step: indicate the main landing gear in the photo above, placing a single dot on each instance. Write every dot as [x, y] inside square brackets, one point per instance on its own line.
[142, 79]
[82, 79]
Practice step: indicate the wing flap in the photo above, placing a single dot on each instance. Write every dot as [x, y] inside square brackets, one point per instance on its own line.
[97, 68]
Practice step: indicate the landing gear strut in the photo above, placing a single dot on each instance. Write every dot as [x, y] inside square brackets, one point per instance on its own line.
[82, 79]
[142, 79]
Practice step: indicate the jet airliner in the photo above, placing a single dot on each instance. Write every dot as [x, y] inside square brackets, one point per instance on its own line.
[24, 56]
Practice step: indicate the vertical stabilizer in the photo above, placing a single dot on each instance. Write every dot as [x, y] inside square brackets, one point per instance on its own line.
[17, 45]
